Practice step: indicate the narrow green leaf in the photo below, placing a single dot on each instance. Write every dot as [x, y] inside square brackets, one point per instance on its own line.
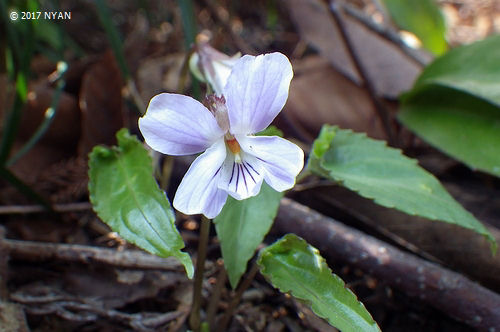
[241, 227]
[391, 179]
[423, 18]
[455, 105]
[294, 266]
[125, 195]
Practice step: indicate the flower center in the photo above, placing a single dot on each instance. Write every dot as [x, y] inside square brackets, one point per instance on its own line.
[233, 145]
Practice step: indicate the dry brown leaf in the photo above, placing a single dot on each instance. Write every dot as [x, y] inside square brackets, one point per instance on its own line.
[101, 104]
[389, 69]
[64, 130]
[319, 94]
[58, 143]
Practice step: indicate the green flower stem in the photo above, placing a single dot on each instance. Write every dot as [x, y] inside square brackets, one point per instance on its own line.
[194, 317]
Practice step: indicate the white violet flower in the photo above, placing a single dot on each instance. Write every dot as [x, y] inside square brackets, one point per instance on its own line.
[235, 162]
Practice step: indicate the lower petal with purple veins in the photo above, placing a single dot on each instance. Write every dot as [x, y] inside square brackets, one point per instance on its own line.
[241, 177]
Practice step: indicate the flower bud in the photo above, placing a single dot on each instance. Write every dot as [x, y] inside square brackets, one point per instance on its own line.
[210, 65]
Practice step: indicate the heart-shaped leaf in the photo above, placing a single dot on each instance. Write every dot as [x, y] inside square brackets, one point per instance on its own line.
[125, 195]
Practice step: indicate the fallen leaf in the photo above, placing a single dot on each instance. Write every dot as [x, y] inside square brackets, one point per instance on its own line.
[391, 71]
[101, 104]
[319, 94]
[64, 131]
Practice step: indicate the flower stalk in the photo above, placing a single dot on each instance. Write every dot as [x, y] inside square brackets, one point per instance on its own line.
[195, 317]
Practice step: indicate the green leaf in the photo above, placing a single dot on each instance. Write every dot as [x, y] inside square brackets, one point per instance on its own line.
[241, 227]
[423, 18]
[319, 147]
[271, 131]
[294, 266]
[473, 69]
[464, 127]
[455, 105]
[125, 195]
[391, 179]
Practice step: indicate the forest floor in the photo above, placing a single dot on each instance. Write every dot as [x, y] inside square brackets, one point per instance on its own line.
[67, 271]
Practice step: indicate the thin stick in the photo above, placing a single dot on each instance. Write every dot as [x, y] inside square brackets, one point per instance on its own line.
[383, 114]
[237, 297]
[134, 259]
[4, 257]
[194, 317]
[389, 34]
[215, 296]
[87, 312]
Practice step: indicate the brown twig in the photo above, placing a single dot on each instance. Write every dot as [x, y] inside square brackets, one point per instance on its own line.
[389, 34]
[237, 297]
[448, 291]
[216, 294]
[383, 114]
[4, 256]
[134, 259]
[74, 310]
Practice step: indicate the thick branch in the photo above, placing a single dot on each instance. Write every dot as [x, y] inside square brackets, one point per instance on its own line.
[446, 290]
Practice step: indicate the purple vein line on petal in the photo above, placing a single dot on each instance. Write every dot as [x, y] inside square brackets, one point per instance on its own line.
[232, 174]
[253, 169]
[218, 170]
[243, 175]
[248, 171]
[237, 178]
